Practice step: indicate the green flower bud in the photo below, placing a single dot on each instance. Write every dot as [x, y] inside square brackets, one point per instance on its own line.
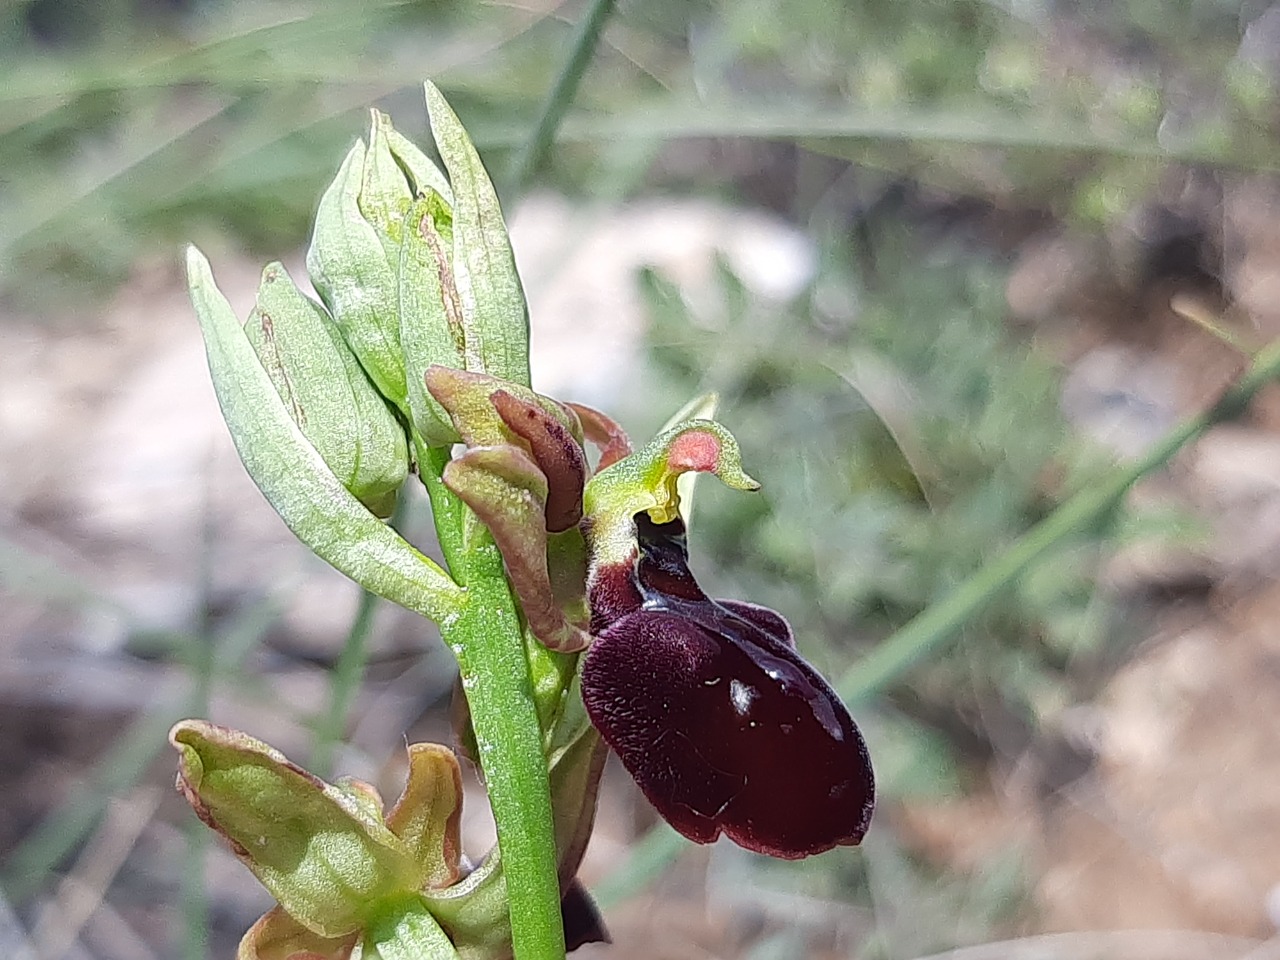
[327, 392]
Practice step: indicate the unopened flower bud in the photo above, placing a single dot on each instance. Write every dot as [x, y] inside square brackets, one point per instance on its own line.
[327, 392]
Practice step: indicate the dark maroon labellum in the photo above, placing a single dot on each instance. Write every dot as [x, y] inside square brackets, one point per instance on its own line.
[713, 712]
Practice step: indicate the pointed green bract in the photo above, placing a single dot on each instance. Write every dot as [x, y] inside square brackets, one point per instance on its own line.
[424, 176]
[327, 392]
[294, 477]
[322, 856]
[495, 315]
[349, 268]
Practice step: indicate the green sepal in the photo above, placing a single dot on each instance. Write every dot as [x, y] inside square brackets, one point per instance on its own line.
[322, 855]
[349, 267]
[294, 477]
[405, 930]
[495, 315]
[424, 176]
[474, 910]
[385, 192]
[327, 392]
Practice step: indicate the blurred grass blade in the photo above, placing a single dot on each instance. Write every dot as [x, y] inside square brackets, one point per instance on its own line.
[120, 769]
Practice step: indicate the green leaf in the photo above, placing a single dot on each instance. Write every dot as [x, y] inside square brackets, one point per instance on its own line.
[349, 268]
[495, 315]
[322, 855]
[295, 479]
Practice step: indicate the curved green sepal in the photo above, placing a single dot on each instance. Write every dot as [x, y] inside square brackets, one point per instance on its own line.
[349, 267]
[295, 479]
[495, 315]
[646, 482]
[474, 910]
[406, 930]
[320, 853]
[428, 815]
[277, 936]
[327, 392]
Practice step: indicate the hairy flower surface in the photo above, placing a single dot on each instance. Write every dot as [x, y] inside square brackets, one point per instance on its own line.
[713, 712]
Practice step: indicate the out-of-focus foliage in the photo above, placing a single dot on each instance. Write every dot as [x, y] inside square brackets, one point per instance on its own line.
[903, 437]
[125, 125]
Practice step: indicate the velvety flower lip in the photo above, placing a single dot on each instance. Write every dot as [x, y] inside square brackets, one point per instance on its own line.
[722, 724]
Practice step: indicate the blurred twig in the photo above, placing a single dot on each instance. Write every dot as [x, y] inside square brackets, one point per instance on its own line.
[560, 97]
[83, 889]
[941, 621]
[40, 852]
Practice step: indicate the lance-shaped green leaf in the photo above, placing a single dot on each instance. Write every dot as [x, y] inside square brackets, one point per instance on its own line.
[495, 314]
[296, 480]
[349, 267]
[431, 330]
[327, 393]
[428, 815]
[646, 482]
[508, 493]
[322, 855]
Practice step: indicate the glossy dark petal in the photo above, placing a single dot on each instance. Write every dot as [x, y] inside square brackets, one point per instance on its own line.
[725, 728]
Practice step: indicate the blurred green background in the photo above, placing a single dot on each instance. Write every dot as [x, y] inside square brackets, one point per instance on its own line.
[924, 252]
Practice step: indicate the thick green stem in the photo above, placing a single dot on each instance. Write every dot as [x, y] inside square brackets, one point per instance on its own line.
[486, 639]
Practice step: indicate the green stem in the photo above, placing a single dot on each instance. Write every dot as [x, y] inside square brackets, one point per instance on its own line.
[941, 621]
[560, 97]
[486, 639]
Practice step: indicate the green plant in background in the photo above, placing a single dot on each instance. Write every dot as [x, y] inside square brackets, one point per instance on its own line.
[423, 333]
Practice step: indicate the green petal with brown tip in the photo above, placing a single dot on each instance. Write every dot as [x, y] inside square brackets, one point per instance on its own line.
[277, 936]
[320, 852]
[508, 493]
[428, 815]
